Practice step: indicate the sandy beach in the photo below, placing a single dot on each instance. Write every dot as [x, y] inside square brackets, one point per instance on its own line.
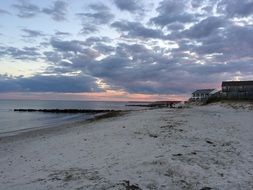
[201, 147]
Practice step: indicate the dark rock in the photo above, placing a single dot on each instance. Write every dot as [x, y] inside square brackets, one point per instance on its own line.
[167, 126]
[179, 154]
[152, 135]
[68, 177]
[206, 188]
[55, 179]
[65, 110]
[129, 186]
[209, 142]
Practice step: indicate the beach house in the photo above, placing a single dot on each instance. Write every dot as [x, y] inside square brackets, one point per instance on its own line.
[202, 95]
[237, 89]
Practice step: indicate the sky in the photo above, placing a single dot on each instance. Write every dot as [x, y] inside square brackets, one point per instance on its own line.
[122, 49]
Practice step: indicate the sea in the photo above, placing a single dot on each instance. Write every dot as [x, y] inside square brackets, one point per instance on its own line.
[12, 122]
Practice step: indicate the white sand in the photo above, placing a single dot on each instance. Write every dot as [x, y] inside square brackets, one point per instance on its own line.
[207, 146]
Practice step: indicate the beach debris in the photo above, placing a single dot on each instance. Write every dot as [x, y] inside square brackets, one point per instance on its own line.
[153, 135]
[74, 174]
[53, 179]
[179, 154]
[129, 186]
[167, 126]
[68, 177]
[209, 142]
[206, 188]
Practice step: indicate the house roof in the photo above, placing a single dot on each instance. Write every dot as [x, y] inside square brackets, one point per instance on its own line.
[237, 83]
[203, 91]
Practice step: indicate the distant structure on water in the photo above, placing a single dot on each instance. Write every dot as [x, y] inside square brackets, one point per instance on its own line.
[237, 89]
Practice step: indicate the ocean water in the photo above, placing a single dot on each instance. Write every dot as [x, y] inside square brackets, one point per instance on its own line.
[11, 121]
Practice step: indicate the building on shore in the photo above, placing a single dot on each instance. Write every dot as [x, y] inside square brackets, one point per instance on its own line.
[202, 95]
[237, 89]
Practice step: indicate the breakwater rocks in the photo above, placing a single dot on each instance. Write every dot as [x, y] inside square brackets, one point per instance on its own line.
[65, 110]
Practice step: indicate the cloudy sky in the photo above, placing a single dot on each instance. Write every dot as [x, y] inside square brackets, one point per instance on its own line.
[122, 49]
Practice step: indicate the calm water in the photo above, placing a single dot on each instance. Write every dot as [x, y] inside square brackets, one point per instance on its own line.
[17, 121]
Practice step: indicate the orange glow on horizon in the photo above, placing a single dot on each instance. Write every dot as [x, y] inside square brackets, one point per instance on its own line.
[108, 95]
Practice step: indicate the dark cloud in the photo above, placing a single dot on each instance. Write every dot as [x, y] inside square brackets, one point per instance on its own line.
[89, 29]
[232, 43]
[58, 11]
[187, 45]
[236, 8]
[93, 40]
[4, 12]
[63, 84]
[205, 27]
[67, 46]
[95, 16]
[59, 33]
[175, 26]
[26, 53]
[26, 9]
[133, 68]
[136, 29]
[170, 11]
[104, 49]
[130, 5]
[6, 84]
[53, 56]
[98, 17]
[75, 52]
[136, 69]
[196, 3]
[32, 33]
[98, 7]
